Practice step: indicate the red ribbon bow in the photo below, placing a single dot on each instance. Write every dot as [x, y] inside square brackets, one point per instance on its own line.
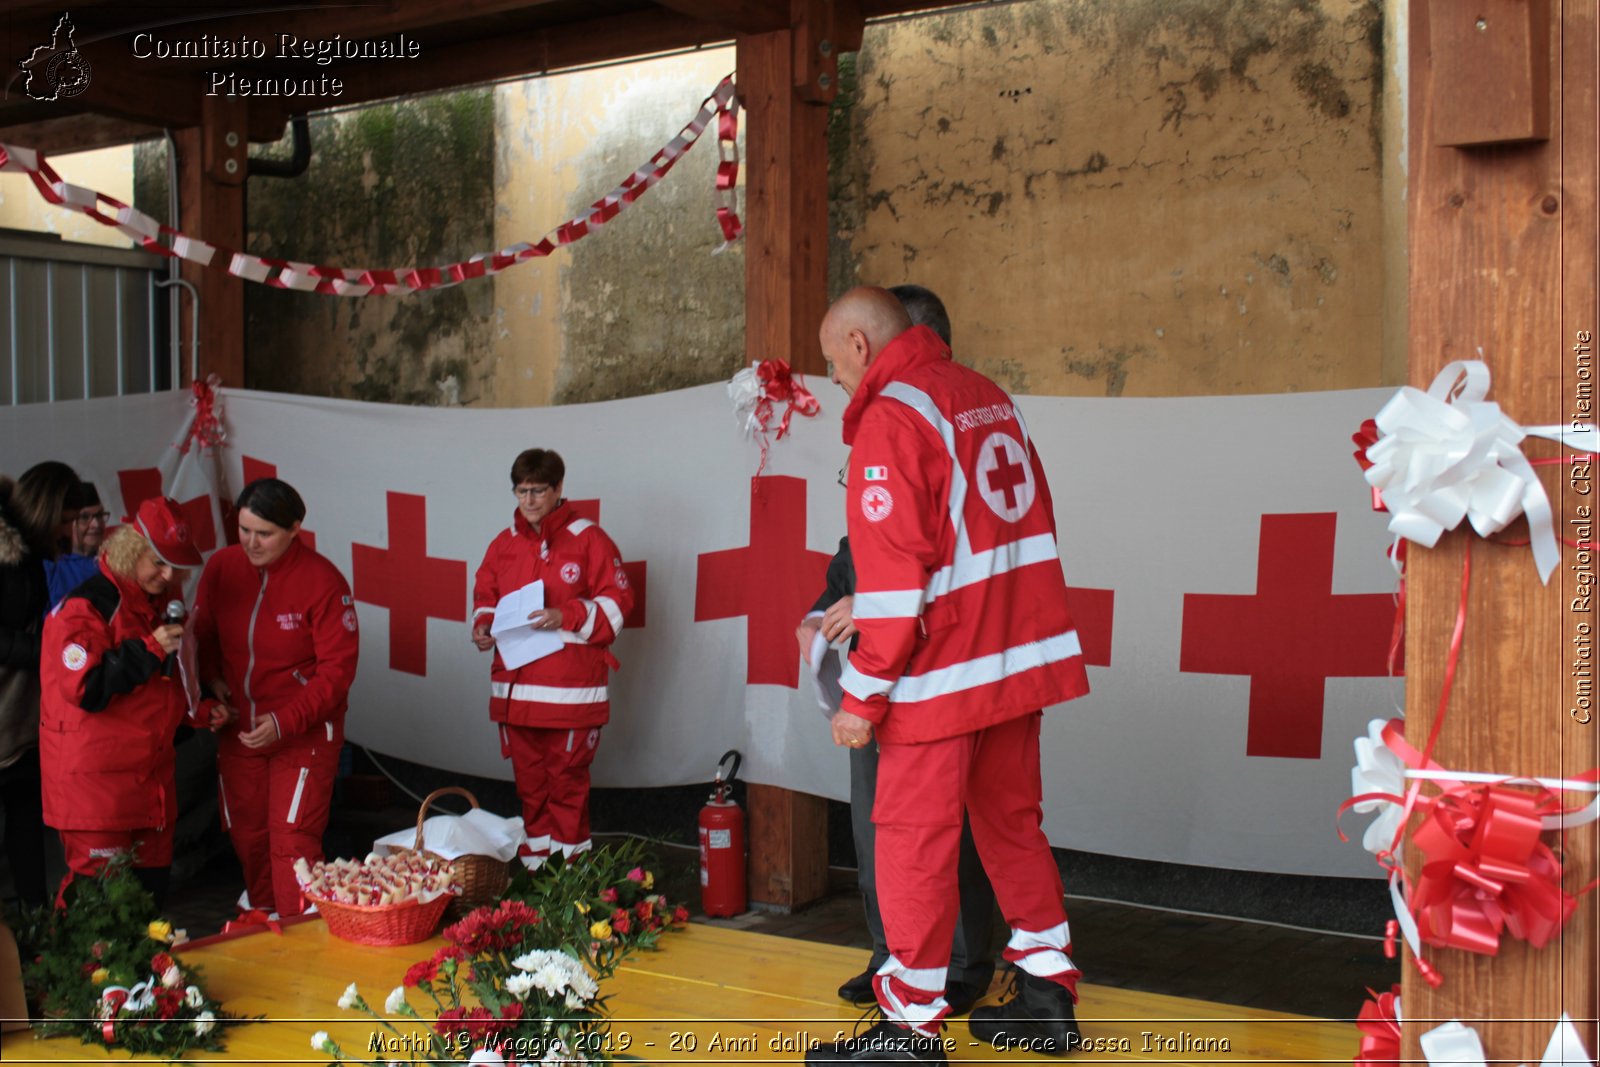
[1379, 1023]
[1487, 870]
[253, 917]
[207, 426]
[1364, 439]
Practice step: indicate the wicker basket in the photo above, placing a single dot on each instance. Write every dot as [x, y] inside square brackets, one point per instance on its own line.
[405, 923]
[481, 878]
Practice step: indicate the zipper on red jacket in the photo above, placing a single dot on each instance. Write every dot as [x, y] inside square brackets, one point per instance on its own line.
[250, 643]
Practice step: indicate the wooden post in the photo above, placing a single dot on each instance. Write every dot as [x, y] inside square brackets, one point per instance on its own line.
[212, 160]
[785, 80]
[1502, 249]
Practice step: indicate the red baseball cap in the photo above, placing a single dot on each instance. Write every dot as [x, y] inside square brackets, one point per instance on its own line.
[161, 521]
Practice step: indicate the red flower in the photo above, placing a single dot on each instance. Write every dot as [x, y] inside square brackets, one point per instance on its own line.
[168, 1001]
[425, 971]
[98, 950]
[160, 963]
[644, 910]
[680, 914]
[512, 1012]
[443, 1026]
[88, 968]
[608, 895]
[620, 922]
[491, 929]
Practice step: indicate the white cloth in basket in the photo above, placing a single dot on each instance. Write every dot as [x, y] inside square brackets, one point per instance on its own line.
[477, 833]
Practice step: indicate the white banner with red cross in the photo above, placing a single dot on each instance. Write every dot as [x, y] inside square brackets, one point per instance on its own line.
[1228, 577]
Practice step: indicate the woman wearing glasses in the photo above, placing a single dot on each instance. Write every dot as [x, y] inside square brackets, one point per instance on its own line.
[277, 640]
[77, 564]
[551, 710]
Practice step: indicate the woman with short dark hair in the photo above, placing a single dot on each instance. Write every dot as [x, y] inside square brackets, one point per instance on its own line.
[277, 639]
[551, 710]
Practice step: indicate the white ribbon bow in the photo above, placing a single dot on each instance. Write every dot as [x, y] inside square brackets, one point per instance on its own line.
[1378, 770]
[1448, 454]
[745, 391]
[1456, 1044]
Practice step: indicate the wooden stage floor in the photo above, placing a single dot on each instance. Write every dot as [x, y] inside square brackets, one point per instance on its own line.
[710, 996]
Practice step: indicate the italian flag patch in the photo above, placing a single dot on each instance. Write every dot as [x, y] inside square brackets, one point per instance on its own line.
[876, 474]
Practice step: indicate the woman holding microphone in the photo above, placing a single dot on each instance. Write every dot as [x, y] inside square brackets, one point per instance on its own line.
[277, 640]
[113, 699]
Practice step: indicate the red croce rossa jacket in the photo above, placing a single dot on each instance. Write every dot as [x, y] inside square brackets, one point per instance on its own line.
[582, 572]
[107, 713]
[284, 637]
[960, 598]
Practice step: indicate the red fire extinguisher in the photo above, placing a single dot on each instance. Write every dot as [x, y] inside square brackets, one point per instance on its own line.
[722, 875]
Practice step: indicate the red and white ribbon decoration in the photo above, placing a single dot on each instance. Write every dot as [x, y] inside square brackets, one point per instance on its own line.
[205, 429]
[316, 278]
[758, 389]
[1379, 1023]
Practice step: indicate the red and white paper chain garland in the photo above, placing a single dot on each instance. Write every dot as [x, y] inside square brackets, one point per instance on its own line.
[308, 277]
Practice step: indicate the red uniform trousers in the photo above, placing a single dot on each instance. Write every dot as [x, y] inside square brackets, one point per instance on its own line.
[275, 806]
[551, 766]
[86, 851]
[922, 788]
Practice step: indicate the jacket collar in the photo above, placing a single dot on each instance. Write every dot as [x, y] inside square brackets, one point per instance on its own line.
[914, 348]
[558, 518]
[286, 560]
[132, 597]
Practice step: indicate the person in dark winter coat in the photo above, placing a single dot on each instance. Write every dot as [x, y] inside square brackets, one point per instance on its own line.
[34, 517]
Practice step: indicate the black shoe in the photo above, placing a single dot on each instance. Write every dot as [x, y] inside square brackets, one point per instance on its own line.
[858, 990]
[1038, 1017]
[887, 1042]
[961, 997]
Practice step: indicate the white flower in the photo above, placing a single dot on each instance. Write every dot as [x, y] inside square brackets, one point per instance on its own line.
[204, 1023]
[397, 1001]
[574, 1002]
[539, 957]
[321, 1042]
[559, 1053]
[173, 978]
[193, 997]
[351, 996]
[488, 1057]
[551, 979]
[584, 985]
[1378, 770]
[518, 985]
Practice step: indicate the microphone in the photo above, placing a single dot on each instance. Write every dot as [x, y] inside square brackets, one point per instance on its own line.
[175, 614]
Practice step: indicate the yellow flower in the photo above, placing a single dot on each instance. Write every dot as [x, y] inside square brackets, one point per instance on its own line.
[160, 930]
[583, 909]
[649, 880]
[99, 976]
[600, 931]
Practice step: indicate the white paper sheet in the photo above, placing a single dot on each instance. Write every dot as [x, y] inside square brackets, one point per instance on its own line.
[519, 643]
[826, 670]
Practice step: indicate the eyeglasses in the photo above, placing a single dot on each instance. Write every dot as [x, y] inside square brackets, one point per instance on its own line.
[89, 518]
[533, 490]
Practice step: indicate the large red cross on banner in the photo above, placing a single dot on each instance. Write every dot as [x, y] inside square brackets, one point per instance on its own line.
[773, 581]
[413, 585]
[1290, 637]
[1091, 614]
[142, 483]
[590, 509]
[253, 469]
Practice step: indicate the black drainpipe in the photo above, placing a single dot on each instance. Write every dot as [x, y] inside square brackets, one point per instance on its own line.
[299, 158]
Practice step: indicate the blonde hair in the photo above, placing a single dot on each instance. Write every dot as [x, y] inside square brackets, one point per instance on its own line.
[123, 548]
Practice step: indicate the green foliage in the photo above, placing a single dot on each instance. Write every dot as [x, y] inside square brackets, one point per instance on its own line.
[604, 898]
[104, 970]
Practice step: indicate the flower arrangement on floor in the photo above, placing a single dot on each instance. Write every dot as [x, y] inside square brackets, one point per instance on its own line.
[519, 981]
[501, 993]
[606, 897]
[104, 970]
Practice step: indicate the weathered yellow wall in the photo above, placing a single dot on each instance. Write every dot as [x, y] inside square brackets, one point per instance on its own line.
[643, 304]
[105, 170]
[1134, 197]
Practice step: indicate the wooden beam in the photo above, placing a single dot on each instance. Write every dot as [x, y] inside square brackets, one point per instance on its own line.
[788, 847]
[571, 45]
[211, 207]
[1502, 254]
[75, 133]
[740, 16]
